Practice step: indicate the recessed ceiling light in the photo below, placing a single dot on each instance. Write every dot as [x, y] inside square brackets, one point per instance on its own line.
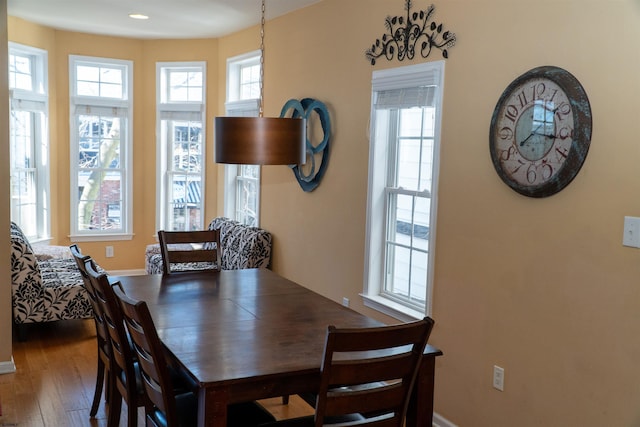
[138, 16]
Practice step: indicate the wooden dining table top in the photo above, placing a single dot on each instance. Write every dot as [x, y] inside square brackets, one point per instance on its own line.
[242, 334]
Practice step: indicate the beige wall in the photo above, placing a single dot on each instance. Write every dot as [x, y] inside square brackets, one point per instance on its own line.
[541, 287]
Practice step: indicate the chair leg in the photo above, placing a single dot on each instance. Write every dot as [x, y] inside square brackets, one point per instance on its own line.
[107, 386]
[285, 399]
[115, 407]
[97, 394]
[21, 331]
[132, 414]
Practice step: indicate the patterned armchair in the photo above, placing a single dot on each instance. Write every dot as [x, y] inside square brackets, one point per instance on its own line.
[242, 247]
[44, 288]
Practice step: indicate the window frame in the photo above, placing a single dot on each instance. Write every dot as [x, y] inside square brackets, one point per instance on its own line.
[411, 76]
[247, 107]
[124, 106]
[186, 110]
[36, 103]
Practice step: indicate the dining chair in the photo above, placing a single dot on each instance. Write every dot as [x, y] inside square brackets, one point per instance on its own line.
[102, 338]
[190, 250]
[123, 362]
[168, 408]
[367, 376]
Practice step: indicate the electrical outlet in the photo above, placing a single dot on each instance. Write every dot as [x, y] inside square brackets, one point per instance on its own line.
[109, 251]
[345, 301]
[498, 378]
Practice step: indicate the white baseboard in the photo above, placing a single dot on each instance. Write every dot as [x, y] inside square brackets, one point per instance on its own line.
[126, 272]
[440, 421]
[7, 367]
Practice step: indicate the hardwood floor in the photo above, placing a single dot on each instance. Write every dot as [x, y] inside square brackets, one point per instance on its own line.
[55, 380]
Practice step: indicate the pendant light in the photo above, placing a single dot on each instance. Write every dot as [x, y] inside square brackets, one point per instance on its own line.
[260, 140]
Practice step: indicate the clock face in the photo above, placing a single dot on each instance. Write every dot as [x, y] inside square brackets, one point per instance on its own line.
[540, 131]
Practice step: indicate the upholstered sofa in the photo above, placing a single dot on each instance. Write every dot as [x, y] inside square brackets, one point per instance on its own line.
[242, 247]
[46, 284]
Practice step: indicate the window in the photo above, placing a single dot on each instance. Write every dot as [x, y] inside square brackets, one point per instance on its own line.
[29, 144]
[181, 144]
[101, 123]
[242, 182]
[401, 205]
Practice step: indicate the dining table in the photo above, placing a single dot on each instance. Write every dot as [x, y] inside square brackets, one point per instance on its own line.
[249, 334]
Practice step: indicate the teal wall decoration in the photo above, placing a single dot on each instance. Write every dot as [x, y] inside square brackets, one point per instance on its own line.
[310, 174]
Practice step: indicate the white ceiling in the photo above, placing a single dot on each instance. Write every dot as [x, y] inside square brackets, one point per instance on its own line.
[167, 18]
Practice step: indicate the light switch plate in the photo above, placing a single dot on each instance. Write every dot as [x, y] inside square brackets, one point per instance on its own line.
[631, 234]
[498, 377]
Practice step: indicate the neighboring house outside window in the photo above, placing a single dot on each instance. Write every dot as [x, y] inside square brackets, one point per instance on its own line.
[401, 205]
[29, 144]
[242, 182]
[181, 117]
[101, 148]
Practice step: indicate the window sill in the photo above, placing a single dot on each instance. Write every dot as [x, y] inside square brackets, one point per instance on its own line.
[391, 308]
[100, 237]
[40, 240]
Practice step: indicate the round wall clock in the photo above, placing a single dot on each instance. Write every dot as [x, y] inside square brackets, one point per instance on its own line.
[540, 131]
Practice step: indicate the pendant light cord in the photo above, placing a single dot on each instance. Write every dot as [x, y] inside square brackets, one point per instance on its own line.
[261, 110]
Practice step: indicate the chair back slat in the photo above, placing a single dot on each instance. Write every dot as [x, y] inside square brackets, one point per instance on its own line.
[197, 255]
[367, 402]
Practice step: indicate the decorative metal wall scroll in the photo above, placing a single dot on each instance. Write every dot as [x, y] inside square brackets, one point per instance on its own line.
[307, 175]
[403, 34]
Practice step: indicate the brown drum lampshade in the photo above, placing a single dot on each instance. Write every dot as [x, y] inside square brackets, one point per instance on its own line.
[260, 140]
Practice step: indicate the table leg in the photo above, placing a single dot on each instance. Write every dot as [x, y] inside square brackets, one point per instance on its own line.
[420, 411]
[212, 408]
